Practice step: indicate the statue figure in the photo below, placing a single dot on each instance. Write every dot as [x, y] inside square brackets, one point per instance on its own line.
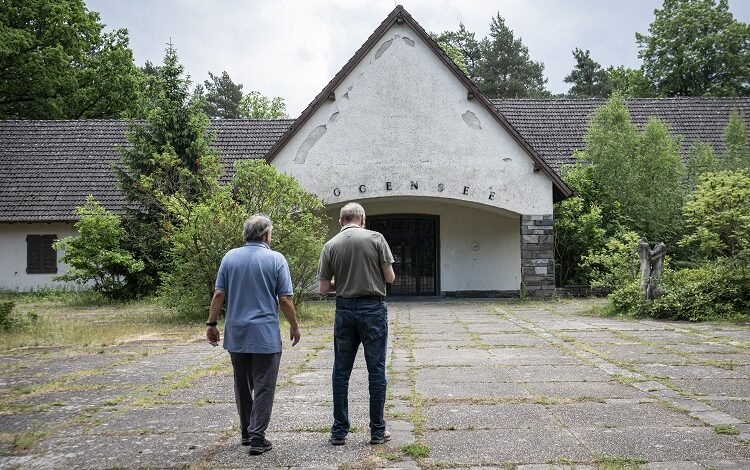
[652, 263]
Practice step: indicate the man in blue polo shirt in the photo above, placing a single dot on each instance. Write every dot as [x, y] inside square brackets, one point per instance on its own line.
[255, 281]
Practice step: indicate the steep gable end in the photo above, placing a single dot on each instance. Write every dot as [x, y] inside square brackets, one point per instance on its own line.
[399, 16]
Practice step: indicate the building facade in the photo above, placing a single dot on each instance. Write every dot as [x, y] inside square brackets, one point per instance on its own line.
[462, 187]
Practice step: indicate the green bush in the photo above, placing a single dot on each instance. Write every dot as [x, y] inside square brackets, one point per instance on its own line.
[714, 291]
[209, 229]
[615, 264]
[6, 313]
[95, 254]
[11, 320]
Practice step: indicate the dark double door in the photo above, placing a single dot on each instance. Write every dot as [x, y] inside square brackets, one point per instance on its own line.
[414, 244]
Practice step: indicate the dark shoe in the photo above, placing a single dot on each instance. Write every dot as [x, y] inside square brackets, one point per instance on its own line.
[337, 441]
[380, 439]
[246, 440]
[258, 446]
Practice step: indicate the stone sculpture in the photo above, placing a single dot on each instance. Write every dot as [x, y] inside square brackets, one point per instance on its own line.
[652, 263]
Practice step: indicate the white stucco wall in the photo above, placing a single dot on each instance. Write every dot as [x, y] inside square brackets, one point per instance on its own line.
[13, 256]
[496, 265]
[401, 125]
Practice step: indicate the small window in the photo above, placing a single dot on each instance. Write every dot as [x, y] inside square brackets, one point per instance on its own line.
[41, 258]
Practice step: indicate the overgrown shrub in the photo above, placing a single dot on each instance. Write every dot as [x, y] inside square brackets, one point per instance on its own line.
[209, 229]
[6, 313]
[12, 320]
[714, 291]
[615, 264]
[95, 254]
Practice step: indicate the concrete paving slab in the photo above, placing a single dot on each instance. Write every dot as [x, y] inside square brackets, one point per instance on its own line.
[601, 390]
[494, 447]
[532, 356]
[619, 415]
[662, 444]
[716, 387]
[689, 371]
[557, 373]
[170, 419]
[464, 374]
[98, 451]
[469, 391]
[740, 409]
[471, 416]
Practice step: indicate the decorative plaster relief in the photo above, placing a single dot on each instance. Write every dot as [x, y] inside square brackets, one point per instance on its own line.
[409, 42]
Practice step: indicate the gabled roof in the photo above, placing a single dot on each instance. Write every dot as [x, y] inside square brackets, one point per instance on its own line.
[47, 168]
[557, 128]
[400, 15]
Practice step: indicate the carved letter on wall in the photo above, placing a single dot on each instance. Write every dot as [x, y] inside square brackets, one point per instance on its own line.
[337, 192]
[414, 185]
[388, 186]
[362, 188]
[466, 190]
[492, 195]
[441, 187]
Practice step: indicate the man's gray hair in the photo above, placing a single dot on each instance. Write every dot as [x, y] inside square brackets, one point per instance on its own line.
[256, 227]
[351, 211]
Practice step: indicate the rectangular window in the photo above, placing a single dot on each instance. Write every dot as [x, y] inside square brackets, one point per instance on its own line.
[41, 258]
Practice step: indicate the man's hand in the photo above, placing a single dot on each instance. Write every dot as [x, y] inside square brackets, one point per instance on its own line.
[294, 335]
[213, 336]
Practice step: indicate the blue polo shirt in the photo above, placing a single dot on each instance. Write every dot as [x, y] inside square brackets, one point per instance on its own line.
[253, 277]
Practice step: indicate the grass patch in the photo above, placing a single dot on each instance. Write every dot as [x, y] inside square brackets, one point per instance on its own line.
[726, 429]
[416, 450]
[386, 454]
[65, 323]
[625, 380]
[606, 462]
[316, 313]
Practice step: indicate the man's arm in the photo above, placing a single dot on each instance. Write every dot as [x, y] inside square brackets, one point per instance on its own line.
[287, 308]
[327, 286]
[212, 333]
[388, 273]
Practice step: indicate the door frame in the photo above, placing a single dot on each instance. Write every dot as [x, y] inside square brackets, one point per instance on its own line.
[436, 219]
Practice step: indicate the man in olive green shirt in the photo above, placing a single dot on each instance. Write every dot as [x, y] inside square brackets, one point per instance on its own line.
[356, 264]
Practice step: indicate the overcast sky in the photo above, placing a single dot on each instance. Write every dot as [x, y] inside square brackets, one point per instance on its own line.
[292, 48]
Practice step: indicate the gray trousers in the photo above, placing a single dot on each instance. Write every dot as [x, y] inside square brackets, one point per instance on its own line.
[254, 387]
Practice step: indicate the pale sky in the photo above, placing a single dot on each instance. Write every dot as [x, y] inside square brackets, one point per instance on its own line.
[293, 48]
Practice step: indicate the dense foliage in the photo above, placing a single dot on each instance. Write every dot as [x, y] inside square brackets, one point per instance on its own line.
[96, 255]
[696, 48]
[626, 181]
[588, 78]
[56, 62]
[499, 63]
[214, 226]
[169, 155]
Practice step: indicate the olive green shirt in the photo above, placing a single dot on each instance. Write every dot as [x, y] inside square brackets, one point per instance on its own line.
[354, 259]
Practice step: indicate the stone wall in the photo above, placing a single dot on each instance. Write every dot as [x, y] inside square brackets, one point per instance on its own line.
[538, 255]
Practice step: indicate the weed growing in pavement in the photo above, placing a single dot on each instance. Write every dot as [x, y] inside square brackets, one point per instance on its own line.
[416, 450]
[726, 429]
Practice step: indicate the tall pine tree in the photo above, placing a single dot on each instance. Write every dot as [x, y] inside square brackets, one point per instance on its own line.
[169, 161]
[505, 69]
[588, 78]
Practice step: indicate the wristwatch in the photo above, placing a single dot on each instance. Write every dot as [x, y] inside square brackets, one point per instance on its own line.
[210, 323]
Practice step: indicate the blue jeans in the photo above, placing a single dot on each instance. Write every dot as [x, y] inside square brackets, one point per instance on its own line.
[359, 321]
